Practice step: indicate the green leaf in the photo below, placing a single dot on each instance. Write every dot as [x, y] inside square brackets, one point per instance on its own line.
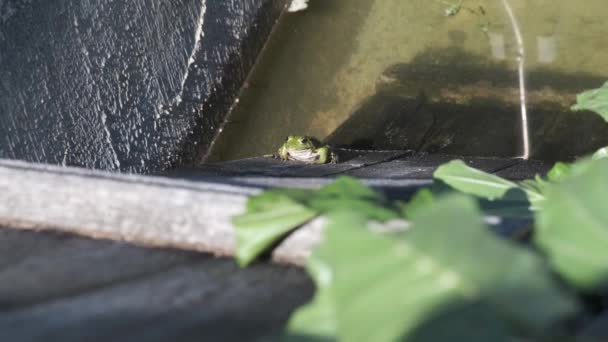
[422, 200]
[508, 209]
[274, 213]
[372, 210]
[534, 190]
[595, 100]
[269, 217]
[349, 187]
[559, 171]
[472, 181]
[573, 225]
[317, 319]
[601, 153]
[432, 281]
[347, 193]
[482, 184]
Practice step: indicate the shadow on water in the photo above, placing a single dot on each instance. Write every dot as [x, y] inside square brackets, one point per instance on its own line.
[457, 102]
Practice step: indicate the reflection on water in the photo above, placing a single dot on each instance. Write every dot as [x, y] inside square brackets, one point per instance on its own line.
[395, 74]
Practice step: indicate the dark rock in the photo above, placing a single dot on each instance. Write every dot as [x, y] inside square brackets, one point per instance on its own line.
[136, 86]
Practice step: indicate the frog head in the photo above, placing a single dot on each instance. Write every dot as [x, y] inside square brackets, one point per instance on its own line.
[300, 142]
[305, 149]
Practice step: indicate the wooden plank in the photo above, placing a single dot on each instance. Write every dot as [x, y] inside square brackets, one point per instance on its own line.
[208, 299]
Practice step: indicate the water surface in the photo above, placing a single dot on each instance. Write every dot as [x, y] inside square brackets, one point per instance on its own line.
[395, 74]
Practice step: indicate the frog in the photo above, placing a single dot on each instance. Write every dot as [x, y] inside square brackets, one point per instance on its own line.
[306, 149]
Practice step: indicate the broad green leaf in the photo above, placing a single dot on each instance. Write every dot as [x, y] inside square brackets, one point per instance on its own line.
[347, 193]
[268, 199]
[595, 100]
[317, 319]
[423, 199]
[534, 191]
[508, 209]
[270, 217]
[274, 213]
[469, 180]
[601, 153]
[482, 184]
[573, 225]
[349, 187]
[372, 210]
[430, 282]
[558, 172]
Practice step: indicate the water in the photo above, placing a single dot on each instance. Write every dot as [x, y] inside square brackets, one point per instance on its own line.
[396, 74]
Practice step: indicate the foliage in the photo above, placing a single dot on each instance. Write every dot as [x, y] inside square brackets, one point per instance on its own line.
[271, 215]
[572, 225]
[431, 281]
[595, 100]
[558, 172]
[601, 153]
[573, 228]
[491, 187]
[424, 198]
[418, 284]
[472, 181]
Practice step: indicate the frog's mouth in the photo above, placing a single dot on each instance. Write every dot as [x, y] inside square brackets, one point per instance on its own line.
[303, 155]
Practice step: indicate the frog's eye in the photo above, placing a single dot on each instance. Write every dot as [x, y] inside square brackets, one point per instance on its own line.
[302, 140]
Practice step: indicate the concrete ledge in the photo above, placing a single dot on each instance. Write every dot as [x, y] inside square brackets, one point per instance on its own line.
[194, 212]
[143, 210]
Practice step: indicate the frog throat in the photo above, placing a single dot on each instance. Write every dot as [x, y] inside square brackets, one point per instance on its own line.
[306, 155]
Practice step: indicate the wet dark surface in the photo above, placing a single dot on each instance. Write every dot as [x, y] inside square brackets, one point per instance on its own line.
[368, 164]
[61, 287]
[135, 86]
[397, 173]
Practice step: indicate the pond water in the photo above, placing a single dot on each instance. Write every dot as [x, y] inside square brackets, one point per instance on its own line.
[396, 74]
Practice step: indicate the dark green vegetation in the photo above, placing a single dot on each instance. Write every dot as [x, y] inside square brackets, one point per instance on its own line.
[595, 100]
[431, 270]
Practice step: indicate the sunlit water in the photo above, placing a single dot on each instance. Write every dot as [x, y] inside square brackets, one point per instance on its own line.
[397, 74]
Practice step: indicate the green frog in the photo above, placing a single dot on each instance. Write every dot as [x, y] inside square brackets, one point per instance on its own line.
[306, 149]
